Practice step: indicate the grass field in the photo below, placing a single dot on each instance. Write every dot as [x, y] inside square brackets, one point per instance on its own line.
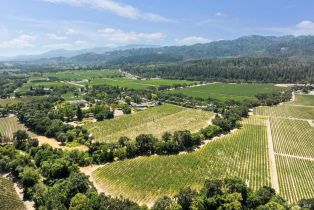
[135, 84]
[9, 200]
[223, 91]
[306, 100]
[286, 111]
[9, 125]
[154, 121]
[11, 101]
[84, 74]
[294, 137]
[243, 153]
[296, 178]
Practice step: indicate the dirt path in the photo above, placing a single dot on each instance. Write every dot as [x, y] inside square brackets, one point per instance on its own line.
[295, 156]
[272, 160]
[88, 171]
[311, 123]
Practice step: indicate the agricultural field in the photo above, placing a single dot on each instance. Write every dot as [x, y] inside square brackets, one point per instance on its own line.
[296, 178]
[293, 137]
[8, 197]
[223, 91]
[304, 100]
[286, 111]
[243, 153]
[134, 84]
[156, 121]
[9, 125]
[26, 86]
[11, 101]
[84, 74]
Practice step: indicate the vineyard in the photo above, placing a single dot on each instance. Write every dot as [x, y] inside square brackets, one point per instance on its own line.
[296, 178]
[305, 100]
[223, 91]
[81, 75]
[8, 197]
[134, 84]
[293, 140]
[286, 111]
[243, 153]
[156, 121]
[9, 125]
[294, 137]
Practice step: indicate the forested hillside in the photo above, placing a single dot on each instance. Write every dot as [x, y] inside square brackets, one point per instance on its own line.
[245, 69]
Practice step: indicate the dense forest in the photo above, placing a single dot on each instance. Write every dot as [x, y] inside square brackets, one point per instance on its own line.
[243, 69]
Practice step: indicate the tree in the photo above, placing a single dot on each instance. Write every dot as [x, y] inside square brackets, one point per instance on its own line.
[19, 138]
[29, 177]
[163, 203]
[126, 109]
[80, 202]
[186, 197]
[146, 144]
[184, 138]
[79, 113]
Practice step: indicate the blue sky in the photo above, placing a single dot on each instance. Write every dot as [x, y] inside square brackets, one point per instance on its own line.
[36, 26]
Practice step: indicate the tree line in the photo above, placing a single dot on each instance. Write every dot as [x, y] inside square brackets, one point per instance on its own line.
[239, 69]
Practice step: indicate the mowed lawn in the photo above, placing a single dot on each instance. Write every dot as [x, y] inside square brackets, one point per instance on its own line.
[243, 153]
[156, 121]
[84, 74]
[134, 84]
[223, 91]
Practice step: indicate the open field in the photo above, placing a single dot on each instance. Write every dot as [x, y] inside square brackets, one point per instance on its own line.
[135, 84]
[305, 100]
[243, 153]
[286, 111]
[9, 125]
[156, 121]
[11, 101]
[84, 74]
[294, 137]
[8, 197]
[296, 178]
[223, 91]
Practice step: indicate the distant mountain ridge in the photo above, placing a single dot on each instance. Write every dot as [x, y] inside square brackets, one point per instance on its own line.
[284, 46]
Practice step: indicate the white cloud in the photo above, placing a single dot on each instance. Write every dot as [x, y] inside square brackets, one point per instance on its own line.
[22, 41]
[71, 31]
[123, 10]
[55, 37]
[304, 27]
[119, 36]
[192, 40]
[220, 14]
